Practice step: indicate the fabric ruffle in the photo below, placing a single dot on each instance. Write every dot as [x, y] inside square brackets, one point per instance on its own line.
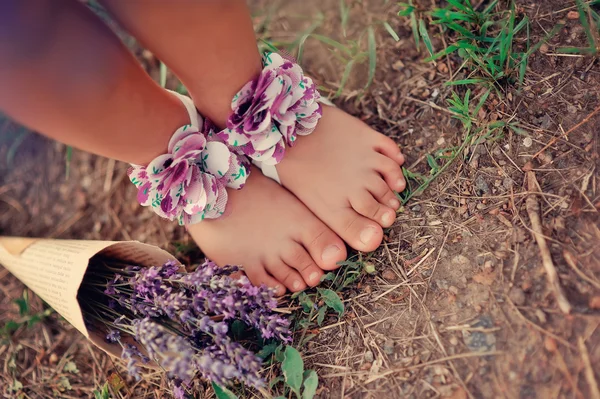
[272, 110]
[188, 183]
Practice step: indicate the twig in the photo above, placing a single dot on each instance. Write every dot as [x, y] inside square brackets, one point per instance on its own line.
[533, 210]
[589, 371]
[571, 261]
[555, 139]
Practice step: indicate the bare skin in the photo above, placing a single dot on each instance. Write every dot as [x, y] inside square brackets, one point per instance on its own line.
[66, 75]
[344, 172]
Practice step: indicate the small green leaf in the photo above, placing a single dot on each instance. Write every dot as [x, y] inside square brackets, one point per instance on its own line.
[321, 315]
[267, 351]
[332, 300]
[238, 328]
[311, 382]
[279, 355]
[71, 367]
[222, 392]
[16, 386]
[22, 304]
[406, 9]
[64, 384]
[306, 302]
[293, 368]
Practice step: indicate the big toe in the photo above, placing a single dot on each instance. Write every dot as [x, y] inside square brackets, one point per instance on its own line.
[358, 231]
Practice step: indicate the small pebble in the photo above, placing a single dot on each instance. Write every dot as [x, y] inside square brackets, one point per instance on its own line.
[453, 340]
[388, 347]
[527, 142]
[368, 357]
[517, 296]
[389, 275]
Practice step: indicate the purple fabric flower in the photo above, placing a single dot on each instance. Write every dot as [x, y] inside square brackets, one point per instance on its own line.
[188, 183]
[272, 110]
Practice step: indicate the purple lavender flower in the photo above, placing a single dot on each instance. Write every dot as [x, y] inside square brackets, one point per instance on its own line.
[182, 321]
[130, 352]
[173, 352]
[113, 336]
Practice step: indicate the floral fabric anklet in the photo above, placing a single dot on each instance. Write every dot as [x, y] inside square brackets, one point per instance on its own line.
[271, 111]
[188, 183]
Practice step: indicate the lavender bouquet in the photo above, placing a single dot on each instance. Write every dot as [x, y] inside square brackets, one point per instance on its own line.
[180, 321]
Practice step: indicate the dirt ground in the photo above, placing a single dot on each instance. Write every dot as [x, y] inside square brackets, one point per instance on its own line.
[459, 305]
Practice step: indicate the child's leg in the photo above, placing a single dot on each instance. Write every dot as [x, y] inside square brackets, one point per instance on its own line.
[65, 74]
[344, 172]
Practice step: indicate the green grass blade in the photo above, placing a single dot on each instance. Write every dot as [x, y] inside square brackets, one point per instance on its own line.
[372, 55]
[471, 81]
[344, 14]
[447, 50]
[522, 69]
[344, 80]
[489, 8]
[163, 75]
[550, 34]
[482, 101]
[425, 37]
[457, 4]
[391, 31]
[415, 29]
[576, 50]
[332, 43]
[581, 9]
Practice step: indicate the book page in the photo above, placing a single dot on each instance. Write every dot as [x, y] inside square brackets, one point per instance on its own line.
[54, 269]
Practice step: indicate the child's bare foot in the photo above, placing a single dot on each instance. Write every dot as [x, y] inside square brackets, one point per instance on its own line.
[344, 172]
[273, 235]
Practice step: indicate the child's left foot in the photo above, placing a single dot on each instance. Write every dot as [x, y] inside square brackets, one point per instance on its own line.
[344, 172]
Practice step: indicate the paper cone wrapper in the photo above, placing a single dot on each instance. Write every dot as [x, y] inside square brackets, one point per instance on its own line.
[54, 270]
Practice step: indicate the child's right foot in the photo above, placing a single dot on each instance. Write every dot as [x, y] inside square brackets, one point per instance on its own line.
[273, 235]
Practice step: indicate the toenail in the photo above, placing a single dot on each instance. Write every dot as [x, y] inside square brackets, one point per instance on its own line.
[314, 276]
[367, 235]
[387, 218]
[400, 157]
[394, 203]
[330, 253]
[400, 184]
[297, 284]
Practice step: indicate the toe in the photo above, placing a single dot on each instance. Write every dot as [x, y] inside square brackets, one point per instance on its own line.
[299, 259]
[390, 149]
[365, 204]
[286, 275]
[382, 193]
[359, 232]
[258, 276]
[391, 172]
[323, 245]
